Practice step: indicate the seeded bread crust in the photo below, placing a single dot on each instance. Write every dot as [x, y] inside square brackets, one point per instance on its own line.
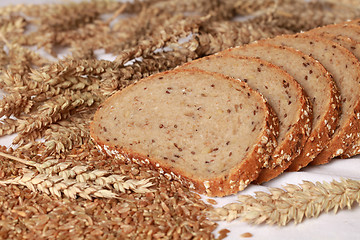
[353, 46]
[345, 69]
[290, 147]
[239, 176]
[310, 74]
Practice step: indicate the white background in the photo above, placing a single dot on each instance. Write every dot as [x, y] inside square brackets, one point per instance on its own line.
[343, 225]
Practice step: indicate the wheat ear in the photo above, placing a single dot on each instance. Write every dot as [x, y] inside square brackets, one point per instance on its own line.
[292, 203]
[49, 166]
[56, 178]
[117, 182]
[59, 186]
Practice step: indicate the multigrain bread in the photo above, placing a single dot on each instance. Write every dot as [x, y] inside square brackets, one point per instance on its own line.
[346, 42]
[318, 85]
[284, 95]
[354, 149]
[340, 29]
[354, 47]
[190, 125]
[355, 22]
[345, 69]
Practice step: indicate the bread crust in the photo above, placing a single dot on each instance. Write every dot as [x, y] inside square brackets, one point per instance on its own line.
[321, 136]
[326, 125]
[292, 146]
[344, 136]
[237, 179]
[346, 41]
[352, 150]
[343, 140]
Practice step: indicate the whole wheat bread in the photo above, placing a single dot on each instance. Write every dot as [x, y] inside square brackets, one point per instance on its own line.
[345, 37]
[318, 85]
[345, 69]
[340, 29]
[190, 125]
[284, 95]
[354, 47]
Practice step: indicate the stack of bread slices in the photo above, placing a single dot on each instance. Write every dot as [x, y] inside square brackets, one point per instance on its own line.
[243, 115]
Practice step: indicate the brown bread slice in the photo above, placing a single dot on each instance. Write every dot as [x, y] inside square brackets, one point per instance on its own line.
[354, 149]
[190, 125]
[345, 69]
[340, 29]
[354, 48]
[317, 83]
[284, 95]
[355, 22]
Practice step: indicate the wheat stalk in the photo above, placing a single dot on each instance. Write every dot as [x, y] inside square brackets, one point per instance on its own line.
[292, 203]
[57, 178]
[58, 186]
[50, 166]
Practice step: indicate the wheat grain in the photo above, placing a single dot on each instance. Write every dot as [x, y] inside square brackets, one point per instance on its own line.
[57, 176]
[58, 186]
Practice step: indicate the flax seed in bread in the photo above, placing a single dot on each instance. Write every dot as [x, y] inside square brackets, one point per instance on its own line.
[207, 130]
[284, 95]
[340, 29]
[317, 83]
[354, 47]
[345, 69]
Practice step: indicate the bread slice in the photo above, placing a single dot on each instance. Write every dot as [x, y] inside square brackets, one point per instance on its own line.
[354, 149]
[318, 85]
[355, 22]
[211, 132]
[345, 69]
[340, 29]
[284, 95]
[354, 48]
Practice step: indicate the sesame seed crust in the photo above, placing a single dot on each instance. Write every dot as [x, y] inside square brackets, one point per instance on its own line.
[293, 144]
[347, 35]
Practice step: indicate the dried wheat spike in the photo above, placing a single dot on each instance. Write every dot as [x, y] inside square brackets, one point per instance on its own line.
[117, 182]
[50, 166]
[59, 186]
[91, 176]
[57, 176]
[54, 169]
[293, 203]
[73, 172]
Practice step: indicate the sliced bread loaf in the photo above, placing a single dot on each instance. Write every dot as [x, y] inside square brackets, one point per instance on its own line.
[318, 85]
[284, 95]
[354, 48]
[340, 29]
[345, 69]
[207, 130]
